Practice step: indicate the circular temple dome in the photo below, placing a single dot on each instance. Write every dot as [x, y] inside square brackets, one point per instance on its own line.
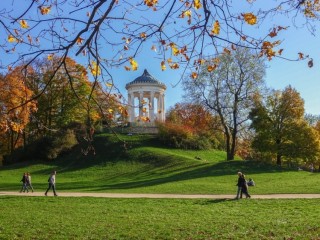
[147, 79]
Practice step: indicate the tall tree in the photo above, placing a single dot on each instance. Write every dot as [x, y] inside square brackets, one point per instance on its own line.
[14, 93]
[227, 89]
[281, 128]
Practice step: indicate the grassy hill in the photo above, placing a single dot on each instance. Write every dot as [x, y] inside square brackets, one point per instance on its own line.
[147, 167]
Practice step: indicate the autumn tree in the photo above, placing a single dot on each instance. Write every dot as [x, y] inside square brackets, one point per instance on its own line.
[113, 33]
[227, 90]
[14, 92]
[281, 129]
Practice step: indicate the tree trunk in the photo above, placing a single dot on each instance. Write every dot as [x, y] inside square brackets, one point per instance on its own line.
[278, 159]
[230, 153]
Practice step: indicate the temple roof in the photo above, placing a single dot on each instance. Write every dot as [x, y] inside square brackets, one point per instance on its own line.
[146, 78]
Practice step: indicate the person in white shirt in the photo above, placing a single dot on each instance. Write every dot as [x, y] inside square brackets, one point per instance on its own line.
[52, 183]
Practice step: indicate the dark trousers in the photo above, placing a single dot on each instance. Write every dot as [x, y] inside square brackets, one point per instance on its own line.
[244, 191]
[53, 188]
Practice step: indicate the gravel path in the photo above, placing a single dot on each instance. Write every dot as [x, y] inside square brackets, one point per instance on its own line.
[147, 195]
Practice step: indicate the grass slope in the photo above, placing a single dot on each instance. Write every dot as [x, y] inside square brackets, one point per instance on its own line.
[147, 167]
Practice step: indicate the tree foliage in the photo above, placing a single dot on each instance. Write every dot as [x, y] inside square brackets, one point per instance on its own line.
[281, 129]
[228, 91]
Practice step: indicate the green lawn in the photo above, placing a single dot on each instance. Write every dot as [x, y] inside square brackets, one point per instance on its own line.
[147, 167]
[99, 218]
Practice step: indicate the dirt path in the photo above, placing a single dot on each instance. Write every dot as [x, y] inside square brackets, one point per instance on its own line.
[146, 195]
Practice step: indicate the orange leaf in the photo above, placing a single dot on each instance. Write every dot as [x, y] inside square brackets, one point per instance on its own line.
[250, 18]
[12, 39]
[45, 10]
[216, 28]
[194, 75]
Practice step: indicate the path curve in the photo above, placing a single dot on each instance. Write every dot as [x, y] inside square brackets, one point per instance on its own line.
[149, 195]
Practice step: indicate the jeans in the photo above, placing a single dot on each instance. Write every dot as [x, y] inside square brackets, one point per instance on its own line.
[51, 185]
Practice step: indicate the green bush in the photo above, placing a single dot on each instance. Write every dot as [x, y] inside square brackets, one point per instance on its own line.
[181, 136]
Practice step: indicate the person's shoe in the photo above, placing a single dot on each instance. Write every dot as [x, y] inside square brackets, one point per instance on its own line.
[56, 195]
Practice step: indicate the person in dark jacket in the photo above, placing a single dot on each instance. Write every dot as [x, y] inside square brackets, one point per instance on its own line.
[239, 184]
[244, 187]
[24, 181]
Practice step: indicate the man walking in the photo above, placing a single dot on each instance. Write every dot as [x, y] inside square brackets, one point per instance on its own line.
[52, 183]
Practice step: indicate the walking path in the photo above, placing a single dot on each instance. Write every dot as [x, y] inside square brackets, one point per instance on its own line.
[149, 195]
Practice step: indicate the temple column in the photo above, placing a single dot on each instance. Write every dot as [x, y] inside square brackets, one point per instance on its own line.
[140, 104]
[151, 110]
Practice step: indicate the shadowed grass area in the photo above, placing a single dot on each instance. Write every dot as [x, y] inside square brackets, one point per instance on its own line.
[145, 166]
[98, 218]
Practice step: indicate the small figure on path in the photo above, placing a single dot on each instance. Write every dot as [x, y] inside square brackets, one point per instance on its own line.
[239, 184]
[244, 188]
[52, 183]
[29, 184]
[251, 183]
[24, 183]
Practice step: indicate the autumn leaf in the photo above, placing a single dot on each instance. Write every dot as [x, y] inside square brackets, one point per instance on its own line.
[24, 24]
[126, 47]
[150, 3]
[194, 75]
[95, 69]
[163, 66]
[143, 35]
[153, 48]
[211, 68]
[109, 84]
[273, 33]
[216, 28]
[250, 18]
[127, 68]
[226, 51]
[310, 63]
[79, 40]
[301, 55]
[175, 50]
[174, 66]
[45, 10]
[197, 4]
[12, 39]
[29, 39]
[50, 57]
[134, 64]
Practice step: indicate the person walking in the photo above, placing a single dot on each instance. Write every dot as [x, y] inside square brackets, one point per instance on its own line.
[24, 183]
[244, 187]
[52, 183]
[29, 184]
[239, 184]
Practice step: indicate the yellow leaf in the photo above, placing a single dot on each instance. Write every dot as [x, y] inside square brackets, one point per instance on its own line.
[144, 110]
[216, 28]
[12, 39]
[169, 60]
[194, 75]
[45, 10]
[197, 4]
[163, 66]
[134, 64]
[24, 24]
[109, 84]
[95, 69]
[50, 57]
[175, 50]
[250, 18]
[110, 110]
[79, 40]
